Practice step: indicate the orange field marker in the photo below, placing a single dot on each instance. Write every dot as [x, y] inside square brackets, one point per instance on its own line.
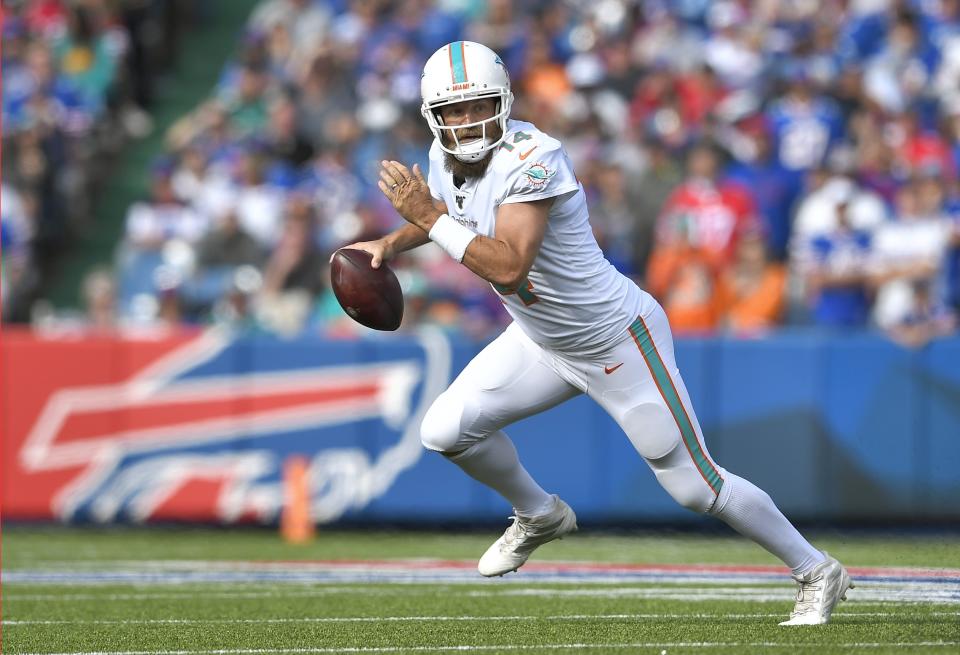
[296, 525]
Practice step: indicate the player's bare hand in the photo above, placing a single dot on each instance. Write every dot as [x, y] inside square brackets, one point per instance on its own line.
[408, 192]
[380, 251]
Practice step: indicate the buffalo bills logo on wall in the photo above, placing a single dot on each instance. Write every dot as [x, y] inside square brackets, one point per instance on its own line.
[202, 431]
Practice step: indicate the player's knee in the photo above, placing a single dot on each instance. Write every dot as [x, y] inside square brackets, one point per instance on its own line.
[440, 428]
[453, 423]
[690, 492]
[679, 476]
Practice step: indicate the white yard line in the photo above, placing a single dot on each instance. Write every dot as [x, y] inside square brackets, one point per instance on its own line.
[524, 647]
[864, 593]
[867, 593]
[428, 571]
[376, 619]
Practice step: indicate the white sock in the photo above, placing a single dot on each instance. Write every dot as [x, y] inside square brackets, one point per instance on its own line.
[494, 462]
[749, 510]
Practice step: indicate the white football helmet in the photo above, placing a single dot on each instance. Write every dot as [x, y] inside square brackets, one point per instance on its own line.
[460, 71]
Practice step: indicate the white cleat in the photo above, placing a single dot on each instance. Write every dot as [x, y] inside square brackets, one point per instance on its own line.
[818, 592]
[509, 552]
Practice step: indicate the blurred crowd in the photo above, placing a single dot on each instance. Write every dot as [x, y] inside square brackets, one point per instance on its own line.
[752, 164]
[78, 81]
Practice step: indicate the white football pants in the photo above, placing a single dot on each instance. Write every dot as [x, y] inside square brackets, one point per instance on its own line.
[637, 382]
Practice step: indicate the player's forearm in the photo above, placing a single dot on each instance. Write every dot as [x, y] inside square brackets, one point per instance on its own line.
[505, 258]
[495, 262]
[406, 238]
[492, 259]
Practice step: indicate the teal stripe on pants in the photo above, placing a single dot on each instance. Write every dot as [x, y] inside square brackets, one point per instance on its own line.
[669, 392]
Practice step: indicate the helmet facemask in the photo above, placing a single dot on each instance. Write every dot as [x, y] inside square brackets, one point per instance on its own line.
[476, 149]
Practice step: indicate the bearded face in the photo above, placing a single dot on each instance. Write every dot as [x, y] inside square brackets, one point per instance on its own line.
[469, 169]
[466, 113]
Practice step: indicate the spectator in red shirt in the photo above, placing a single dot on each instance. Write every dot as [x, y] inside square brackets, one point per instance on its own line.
[710, 211]
[921, 151]
[699, 92]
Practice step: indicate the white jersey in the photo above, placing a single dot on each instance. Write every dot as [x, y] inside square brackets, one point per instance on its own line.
[573, 300]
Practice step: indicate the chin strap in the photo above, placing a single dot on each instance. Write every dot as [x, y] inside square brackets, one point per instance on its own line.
[479, 149]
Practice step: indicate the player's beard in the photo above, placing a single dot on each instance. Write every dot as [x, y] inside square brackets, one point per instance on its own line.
[464, 169]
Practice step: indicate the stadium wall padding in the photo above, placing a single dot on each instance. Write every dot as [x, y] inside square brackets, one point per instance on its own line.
[196, 426]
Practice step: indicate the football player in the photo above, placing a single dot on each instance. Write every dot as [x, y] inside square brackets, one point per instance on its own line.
[501, 197]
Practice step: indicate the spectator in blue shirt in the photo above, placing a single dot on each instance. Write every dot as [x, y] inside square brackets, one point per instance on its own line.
[805, 123]
[773, 187]
[836, 270]
[927, 319]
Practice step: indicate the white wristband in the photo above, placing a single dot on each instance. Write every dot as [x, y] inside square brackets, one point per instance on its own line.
[451, 236]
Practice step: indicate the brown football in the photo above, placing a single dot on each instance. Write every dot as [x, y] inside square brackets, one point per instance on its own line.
[370, 296]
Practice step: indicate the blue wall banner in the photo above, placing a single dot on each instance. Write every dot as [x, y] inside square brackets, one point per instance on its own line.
[197, 426]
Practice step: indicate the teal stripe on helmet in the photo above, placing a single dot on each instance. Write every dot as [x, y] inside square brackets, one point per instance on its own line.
[456, 62]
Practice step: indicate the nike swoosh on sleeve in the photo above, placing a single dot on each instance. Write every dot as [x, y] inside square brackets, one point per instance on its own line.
[526, 154]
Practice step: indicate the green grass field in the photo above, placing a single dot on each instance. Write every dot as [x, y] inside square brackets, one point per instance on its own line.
[245, 591]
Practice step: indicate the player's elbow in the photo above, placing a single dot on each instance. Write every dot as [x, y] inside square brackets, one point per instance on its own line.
[507, 281]
[510, 276]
